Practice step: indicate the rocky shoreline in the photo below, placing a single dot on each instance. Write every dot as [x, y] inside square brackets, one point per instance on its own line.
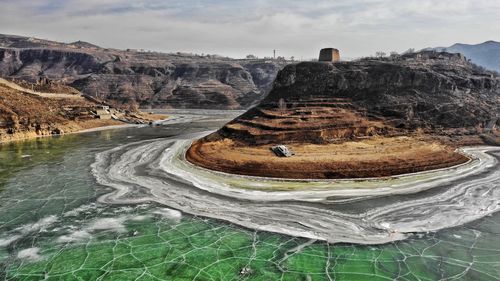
[26, 114]
[62, 129]
[76, 128]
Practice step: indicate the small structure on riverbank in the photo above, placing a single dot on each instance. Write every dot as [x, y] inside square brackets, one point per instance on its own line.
[103, 112]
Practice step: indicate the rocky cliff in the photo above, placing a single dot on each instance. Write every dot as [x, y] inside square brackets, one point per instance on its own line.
[438, 93]
[366, 118]
[150, 79]
[27, 115]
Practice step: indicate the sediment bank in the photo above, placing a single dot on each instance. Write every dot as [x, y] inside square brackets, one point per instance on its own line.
[376, 157]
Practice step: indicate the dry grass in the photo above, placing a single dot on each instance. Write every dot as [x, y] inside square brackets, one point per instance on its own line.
[331, 139]
[28, 108]
[24, 116]
[374, 157]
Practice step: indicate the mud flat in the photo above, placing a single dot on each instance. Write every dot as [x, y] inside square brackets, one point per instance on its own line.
[366, 211]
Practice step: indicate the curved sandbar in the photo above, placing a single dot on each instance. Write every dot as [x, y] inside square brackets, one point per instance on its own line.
[357, 211]
[371, 157]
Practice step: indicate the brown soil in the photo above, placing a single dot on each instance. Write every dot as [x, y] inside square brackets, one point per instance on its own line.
[24, 115]
[313, 120]
[374, 157]
[49, 87]
[20, 110]
[332, 138]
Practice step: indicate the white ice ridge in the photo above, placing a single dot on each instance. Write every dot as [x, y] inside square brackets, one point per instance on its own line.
[372, 211]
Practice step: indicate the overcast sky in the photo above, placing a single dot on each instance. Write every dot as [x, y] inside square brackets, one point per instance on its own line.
[237, 28]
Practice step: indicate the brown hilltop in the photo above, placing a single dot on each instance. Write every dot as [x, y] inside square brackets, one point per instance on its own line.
[367, 118]
[27, 112]
[26, 115]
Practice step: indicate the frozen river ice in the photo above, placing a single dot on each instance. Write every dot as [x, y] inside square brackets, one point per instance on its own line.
[152, 216]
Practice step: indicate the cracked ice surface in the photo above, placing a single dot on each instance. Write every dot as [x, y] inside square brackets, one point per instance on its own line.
[438, 199]
[52, 227]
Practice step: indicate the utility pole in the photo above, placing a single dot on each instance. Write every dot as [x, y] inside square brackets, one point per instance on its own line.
[274, 54]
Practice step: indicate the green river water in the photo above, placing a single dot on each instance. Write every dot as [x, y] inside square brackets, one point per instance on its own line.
[53, 228]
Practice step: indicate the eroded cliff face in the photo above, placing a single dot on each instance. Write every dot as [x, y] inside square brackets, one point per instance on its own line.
[197, 84]
[26, 115]
[436, 93]
[150, 79]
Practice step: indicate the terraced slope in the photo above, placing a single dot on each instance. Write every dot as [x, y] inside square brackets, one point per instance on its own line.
[319, 120]
[366, 118]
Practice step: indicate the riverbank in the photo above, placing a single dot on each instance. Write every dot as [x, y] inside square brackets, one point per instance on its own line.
[62, 129]
[76, 127]
[374, 157]
[315, 209]
[50, 209]
[27, 114]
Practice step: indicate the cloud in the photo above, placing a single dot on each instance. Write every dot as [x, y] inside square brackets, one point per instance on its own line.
[236, 28]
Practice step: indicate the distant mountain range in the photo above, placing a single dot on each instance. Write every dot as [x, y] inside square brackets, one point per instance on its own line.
[150, 79]
[486, 54]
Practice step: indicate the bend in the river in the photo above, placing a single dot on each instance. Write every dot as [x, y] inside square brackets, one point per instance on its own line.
[368, 211]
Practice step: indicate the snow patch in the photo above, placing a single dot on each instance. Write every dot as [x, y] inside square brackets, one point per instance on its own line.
[79, 210]
[76, 236]
[169, 214]
[39, 226]
[114, 224]
[4, 242]
[30, 254]
[139, 218]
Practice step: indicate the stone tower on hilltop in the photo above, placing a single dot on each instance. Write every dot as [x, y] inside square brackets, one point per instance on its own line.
[329, 54]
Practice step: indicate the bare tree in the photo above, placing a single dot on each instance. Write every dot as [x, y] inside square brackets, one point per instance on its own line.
[133, 106]
[380, 54]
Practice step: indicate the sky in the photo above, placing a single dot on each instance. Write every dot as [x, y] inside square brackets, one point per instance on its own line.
[237, 28]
